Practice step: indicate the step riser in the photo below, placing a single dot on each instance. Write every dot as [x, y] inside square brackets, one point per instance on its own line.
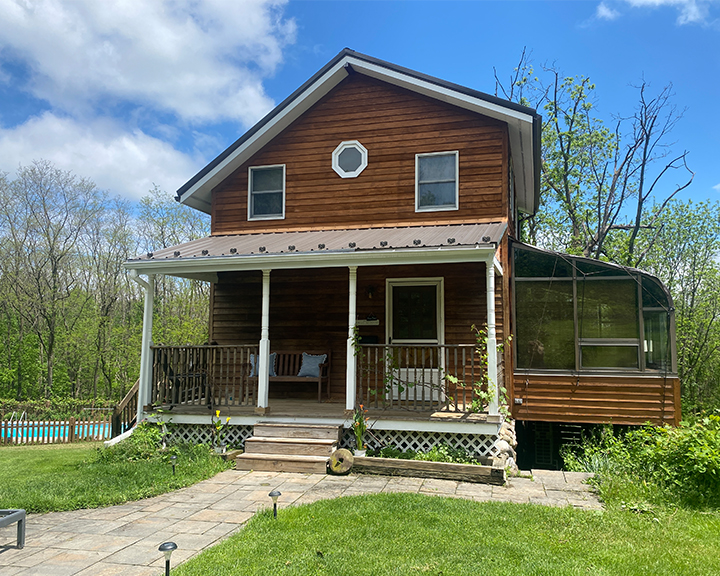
[248, 463]
[273, 431]
[260, 447]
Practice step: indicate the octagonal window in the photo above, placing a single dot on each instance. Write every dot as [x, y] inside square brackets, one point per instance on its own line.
[349, 159]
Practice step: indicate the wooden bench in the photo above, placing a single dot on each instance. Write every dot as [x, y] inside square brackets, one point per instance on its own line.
[287, 367]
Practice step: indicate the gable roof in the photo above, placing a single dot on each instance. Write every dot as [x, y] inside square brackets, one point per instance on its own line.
[524, 124]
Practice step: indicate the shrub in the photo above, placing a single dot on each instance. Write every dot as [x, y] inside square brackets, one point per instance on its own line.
[678, 464]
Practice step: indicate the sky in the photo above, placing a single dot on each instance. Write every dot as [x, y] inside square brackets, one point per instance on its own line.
[134, 94]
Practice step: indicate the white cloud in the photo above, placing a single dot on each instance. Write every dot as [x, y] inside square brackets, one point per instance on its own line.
[716, 187]
[605, 12]
[204, 61]
[691, 11]
[124, 163]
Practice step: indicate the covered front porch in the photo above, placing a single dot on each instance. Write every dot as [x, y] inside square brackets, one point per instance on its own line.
[391, 317]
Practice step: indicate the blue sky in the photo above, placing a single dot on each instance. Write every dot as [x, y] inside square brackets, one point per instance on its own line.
[135, 93]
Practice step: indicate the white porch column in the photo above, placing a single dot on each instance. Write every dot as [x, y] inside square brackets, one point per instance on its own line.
[264, 350]
[492, 337]
[351, 384]
[145, 387]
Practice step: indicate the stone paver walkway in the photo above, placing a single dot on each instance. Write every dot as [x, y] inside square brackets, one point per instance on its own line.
[123, 540]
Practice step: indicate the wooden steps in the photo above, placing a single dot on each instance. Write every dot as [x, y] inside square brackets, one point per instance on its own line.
[289, 448]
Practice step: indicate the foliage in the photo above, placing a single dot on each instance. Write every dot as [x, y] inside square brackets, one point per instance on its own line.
[410, 534]
[219, 430]
[55, 408]
[660, 464]
[359, 425]
[484, 390]
[72, 476]
[440, 453]
[70, 318]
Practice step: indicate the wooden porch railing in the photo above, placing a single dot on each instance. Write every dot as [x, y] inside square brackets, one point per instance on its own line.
[420, 378]
[210, 376]
[124, 415]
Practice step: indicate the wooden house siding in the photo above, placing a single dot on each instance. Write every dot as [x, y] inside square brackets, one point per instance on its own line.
[394, 125]
[308, 308]
[617, 399]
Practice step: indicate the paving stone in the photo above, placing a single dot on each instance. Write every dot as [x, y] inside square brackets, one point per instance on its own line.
[107, 569]
[221, 516]
[124, 539]
[403, 485]
[433, 486]
[194, 526]
[97, 542]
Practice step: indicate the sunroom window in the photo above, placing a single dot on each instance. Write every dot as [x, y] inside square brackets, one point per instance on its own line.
[266, 193]
[436, 181]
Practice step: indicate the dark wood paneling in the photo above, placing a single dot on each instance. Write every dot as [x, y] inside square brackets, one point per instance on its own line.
[393, 124]
[597, 399]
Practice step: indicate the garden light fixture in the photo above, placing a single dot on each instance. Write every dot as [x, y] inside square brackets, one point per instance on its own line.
[173, 460]
[275, 495]
[167, 548]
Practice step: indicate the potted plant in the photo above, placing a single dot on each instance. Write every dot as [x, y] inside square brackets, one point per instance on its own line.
[359, 425]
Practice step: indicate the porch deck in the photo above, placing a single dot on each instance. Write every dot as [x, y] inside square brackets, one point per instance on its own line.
[288, 408]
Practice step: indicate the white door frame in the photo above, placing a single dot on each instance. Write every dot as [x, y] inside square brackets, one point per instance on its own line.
[438, 281]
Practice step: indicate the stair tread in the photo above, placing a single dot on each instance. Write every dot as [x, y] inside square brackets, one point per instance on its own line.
[291, 425]
[277, 440]
[284, 457]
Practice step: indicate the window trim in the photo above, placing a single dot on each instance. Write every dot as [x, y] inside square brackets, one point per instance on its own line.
[439, 283]
[457, 182]
[250, 193]
[336, 158]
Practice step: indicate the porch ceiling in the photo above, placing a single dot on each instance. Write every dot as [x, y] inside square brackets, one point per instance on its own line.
[326, 248]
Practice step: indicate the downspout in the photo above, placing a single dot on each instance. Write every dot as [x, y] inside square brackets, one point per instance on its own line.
[144, 388]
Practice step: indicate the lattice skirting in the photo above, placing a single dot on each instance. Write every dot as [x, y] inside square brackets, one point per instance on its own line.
[476, 445]
[202, 434]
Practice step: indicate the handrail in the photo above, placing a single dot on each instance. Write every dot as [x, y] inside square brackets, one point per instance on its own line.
[420, 377]
[208, 375]
[125, 413]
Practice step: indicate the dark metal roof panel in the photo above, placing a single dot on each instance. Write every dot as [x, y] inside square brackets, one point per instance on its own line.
[325, 241]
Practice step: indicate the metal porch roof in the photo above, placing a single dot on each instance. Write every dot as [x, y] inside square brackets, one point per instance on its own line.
[317, 243]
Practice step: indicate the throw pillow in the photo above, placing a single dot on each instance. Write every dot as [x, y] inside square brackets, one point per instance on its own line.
[253, 365]
[310, 366]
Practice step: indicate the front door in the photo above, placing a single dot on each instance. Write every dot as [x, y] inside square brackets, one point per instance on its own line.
[415, 328]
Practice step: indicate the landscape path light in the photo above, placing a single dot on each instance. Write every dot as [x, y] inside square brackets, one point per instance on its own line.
[167, 548]
[173, 459]
[275, 495]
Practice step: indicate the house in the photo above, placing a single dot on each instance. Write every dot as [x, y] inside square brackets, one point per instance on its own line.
[371, 221]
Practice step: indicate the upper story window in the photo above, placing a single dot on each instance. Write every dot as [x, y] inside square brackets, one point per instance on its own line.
[436, 181]
[349, 159]
[266, 193]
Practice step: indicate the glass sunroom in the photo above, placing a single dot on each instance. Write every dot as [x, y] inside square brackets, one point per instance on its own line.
[575, 314]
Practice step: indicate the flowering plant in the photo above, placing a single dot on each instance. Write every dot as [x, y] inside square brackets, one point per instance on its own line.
[359, 425]
[219, 429]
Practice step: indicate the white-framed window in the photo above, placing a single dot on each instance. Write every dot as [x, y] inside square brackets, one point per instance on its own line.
[266, 192]
[349, 159]
[415, 310]
[436, 181]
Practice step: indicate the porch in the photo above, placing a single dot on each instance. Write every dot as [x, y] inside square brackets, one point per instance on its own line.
[398, 382]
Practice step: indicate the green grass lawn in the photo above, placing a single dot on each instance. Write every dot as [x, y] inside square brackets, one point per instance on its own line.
[414, 534]
[69, 477]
